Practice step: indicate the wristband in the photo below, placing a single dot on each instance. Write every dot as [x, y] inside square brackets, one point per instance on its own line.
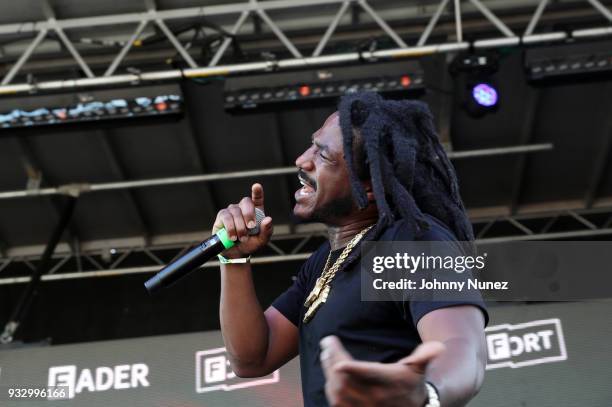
[433, 398]
[242, 260]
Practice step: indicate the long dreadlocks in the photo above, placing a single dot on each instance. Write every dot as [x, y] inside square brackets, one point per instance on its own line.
[395, 145]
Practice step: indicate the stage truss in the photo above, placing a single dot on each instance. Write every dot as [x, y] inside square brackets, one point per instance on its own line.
[301, 55]
[290, 243]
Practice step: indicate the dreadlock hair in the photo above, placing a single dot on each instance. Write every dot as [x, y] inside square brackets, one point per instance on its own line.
[394, 144]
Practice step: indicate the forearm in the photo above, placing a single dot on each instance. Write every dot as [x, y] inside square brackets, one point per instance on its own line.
[243, 324]
[458, 372]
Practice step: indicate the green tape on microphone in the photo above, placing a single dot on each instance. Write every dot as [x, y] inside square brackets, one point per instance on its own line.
[225, 239]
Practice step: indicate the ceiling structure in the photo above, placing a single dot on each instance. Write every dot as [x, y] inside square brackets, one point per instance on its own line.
[145, 191]
[114, 45]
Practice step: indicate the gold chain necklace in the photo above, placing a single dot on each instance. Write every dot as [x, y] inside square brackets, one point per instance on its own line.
[319, 293]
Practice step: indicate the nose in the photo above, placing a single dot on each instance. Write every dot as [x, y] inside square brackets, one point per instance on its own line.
[304, 161]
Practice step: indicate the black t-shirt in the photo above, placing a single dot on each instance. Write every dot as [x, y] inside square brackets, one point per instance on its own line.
[371, 331]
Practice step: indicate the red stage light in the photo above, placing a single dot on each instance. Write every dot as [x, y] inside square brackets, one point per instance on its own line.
[304, 90]
[405, 81]
[161, 106]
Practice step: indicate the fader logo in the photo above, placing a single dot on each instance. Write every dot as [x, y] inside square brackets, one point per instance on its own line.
[526, 344]
[213, 372]
[102, 378]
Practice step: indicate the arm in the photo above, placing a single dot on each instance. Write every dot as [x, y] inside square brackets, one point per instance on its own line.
[257, 343]
[458, 372]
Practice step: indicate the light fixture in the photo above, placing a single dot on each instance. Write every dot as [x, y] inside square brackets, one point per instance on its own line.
[485, 94]
[475, 75]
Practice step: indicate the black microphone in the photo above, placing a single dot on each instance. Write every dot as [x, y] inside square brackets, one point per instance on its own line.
[197, 256]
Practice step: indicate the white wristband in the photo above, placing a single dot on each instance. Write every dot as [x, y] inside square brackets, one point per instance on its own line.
[433, 399]
[241, 260]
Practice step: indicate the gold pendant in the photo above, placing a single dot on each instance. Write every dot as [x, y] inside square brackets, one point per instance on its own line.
[314, 293]
[320, 300]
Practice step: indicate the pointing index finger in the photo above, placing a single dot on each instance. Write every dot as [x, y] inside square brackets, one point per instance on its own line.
[257, 195]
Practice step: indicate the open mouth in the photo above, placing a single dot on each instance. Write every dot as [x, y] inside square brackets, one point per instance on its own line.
[308, 186]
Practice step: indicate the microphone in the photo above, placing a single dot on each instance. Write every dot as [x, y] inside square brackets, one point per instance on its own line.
[197, 256]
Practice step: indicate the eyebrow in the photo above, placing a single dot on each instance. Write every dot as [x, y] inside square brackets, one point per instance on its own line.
[320, 146]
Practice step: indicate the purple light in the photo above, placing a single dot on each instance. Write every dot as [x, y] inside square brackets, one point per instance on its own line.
[484, 95]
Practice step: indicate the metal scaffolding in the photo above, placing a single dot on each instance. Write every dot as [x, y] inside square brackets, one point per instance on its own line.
[77, 189]
[299, 59]
[289, 244]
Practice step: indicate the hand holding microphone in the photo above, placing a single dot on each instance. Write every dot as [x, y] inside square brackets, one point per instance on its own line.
[238, 231]
[239, 219]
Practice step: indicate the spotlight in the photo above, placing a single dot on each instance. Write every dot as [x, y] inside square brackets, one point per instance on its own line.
[405, 81]
[476, 80]
[481, 96]
[305, 90]
[484, 94]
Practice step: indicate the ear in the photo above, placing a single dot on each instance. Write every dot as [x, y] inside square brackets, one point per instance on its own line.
[369, 191]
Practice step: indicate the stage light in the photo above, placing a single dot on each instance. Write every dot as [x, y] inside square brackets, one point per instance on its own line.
[405, 81]
[304, 90]
[568, 62]
[398, 79]
[475, 77]
[485, 95]
[93, 111]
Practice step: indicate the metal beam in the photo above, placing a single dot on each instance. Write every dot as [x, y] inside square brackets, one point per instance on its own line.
[176, 43]
[485, 152]
[547, 236]
[535, 18]
[386, 28]
[32, 167]
[21, 309]
[432, 23]
[188, 179]
[126, 48]
[279, 33]
[227, 41]
[260, 9]
[493, 18]
[283, 257]
[602, 9]
[24, 57]
[70, 47]
[304, 233]
[458, 25]
[147, 269]
[330, 30]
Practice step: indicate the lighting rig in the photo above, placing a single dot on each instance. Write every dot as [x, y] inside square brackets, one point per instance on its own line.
[480, 94]
[569, 61]
[95, 110]
[403, 79]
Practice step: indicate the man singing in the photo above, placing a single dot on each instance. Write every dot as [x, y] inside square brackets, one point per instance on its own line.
[375, 171]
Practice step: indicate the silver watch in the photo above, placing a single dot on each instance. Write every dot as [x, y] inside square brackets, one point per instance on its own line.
[433, 399]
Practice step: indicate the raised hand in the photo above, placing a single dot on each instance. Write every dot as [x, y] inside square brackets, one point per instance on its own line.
[238, 218]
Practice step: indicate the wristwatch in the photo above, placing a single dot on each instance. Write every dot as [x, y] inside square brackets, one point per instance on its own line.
[433, 399]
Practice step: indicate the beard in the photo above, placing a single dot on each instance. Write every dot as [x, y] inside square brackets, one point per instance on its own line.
[332, 211]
